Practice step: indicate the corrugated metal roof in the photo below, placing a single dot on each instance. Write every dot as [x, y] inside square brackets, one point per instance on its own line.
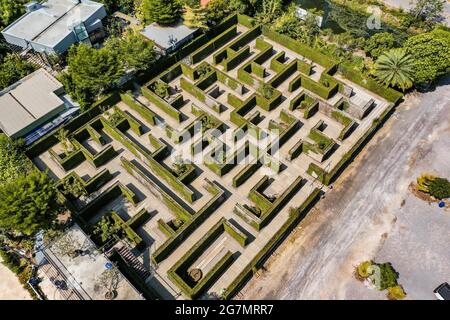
[28, 100]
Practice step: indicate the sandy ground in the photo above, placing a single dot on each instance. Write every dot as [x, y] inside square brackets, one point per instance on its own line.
[10, 288]
[371, 214]
[407, 4]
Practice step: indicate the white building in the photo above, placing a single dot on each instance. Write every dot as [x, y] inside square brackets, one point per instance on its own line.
[54, 25]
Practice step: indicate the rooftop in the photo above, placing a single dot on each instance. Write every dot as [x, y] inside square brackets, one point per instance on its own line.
[28, 100]
[166, 36]
[87, 273]
[52, 20]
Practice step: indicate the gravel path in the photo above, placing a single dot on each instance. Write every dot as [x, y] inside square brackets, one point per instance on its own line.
[357, 216]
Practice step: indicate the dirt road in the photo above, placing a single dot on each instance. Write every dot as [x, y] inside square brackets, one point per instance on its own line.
[354, 220]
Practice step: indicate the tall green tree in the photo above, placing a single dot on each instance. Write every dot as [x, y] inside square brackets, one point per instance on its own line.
[136, 52]
[269, 10]
[164, 12]
[13, 162]
[217, 10]
[13, 69]
[195, 16]
[395, 68]
[28, 204]
[90, 72]
[431, 54]
[379, 43]
[10, 10]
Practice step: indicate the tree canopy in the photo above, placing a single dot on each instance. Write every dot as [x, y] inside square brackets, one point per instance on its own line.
[13, 162]
[431, 54]
[427, 13]
[136, 52]
[164, 12]
[29, 203]
[90, 72]
[10, 10]
[379, 43]
[13, 69]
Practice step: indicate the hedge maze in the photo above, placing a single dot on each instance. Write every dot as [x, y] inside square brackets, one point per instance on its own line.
[202, 170]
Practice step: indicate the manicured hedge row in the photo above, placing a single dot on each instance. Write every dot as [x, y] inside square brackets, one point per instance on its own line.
[258, 70]
[245, 20]
[160, 103]
[269, 104]
[245, 38]
[304, 67]
[287, 71]
[319, 89]
[183, 264]
[231, 83]
[295, 83]
[299, 48]
[154, 165]
[143, 111]
[311, 110]
[69, 162]
[276, 63]
[190, 226]
[165, 228]
[236, 59]
[139, 219]
[98, 180]
[114, 191]
[179, 210]
[296, 150]
[192, 89]
[330, 176]
[389, 94]
[260, 257]
[246, 173]
[234, 232]
[132, 237]
[257, 197]
[279, 203]
[209, 48]
[245, 76]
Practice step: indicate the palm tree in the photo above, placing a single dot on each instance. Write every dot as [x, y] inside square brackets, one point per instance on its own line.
[395, 68]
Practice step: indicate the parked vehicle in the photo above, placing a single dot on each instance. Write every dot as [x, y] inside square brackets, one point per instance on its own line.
[443, 291]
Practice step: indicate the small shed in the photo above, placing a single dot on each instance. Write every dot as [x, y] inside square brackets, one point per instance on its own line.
[169, 38]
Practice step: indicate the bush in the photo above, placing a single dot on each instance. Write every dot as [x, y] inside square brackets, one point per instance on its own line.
[396, 293]
[388, 276]
[439, 188]
[363, 270]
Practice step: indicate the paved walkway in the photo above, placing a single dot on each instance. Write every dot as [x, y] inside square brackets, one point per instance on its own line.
[10, 287]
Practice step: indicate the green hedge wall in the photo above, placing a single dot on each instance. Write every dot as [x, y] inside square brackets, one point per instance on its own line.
[259, 259]
[209, 48]
[183, 264]
[160, 103]
[299, 48]
[143, 111]
[234, 232]
[245, 173]
[190, 226]
[98, 180]
[389, 94]
[285, 73]
[234, 61]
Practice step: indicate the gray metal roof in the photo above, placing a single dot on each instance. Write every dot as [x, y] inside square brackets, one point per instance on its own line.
[52, 21]
[28, 100]
[163, 35]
